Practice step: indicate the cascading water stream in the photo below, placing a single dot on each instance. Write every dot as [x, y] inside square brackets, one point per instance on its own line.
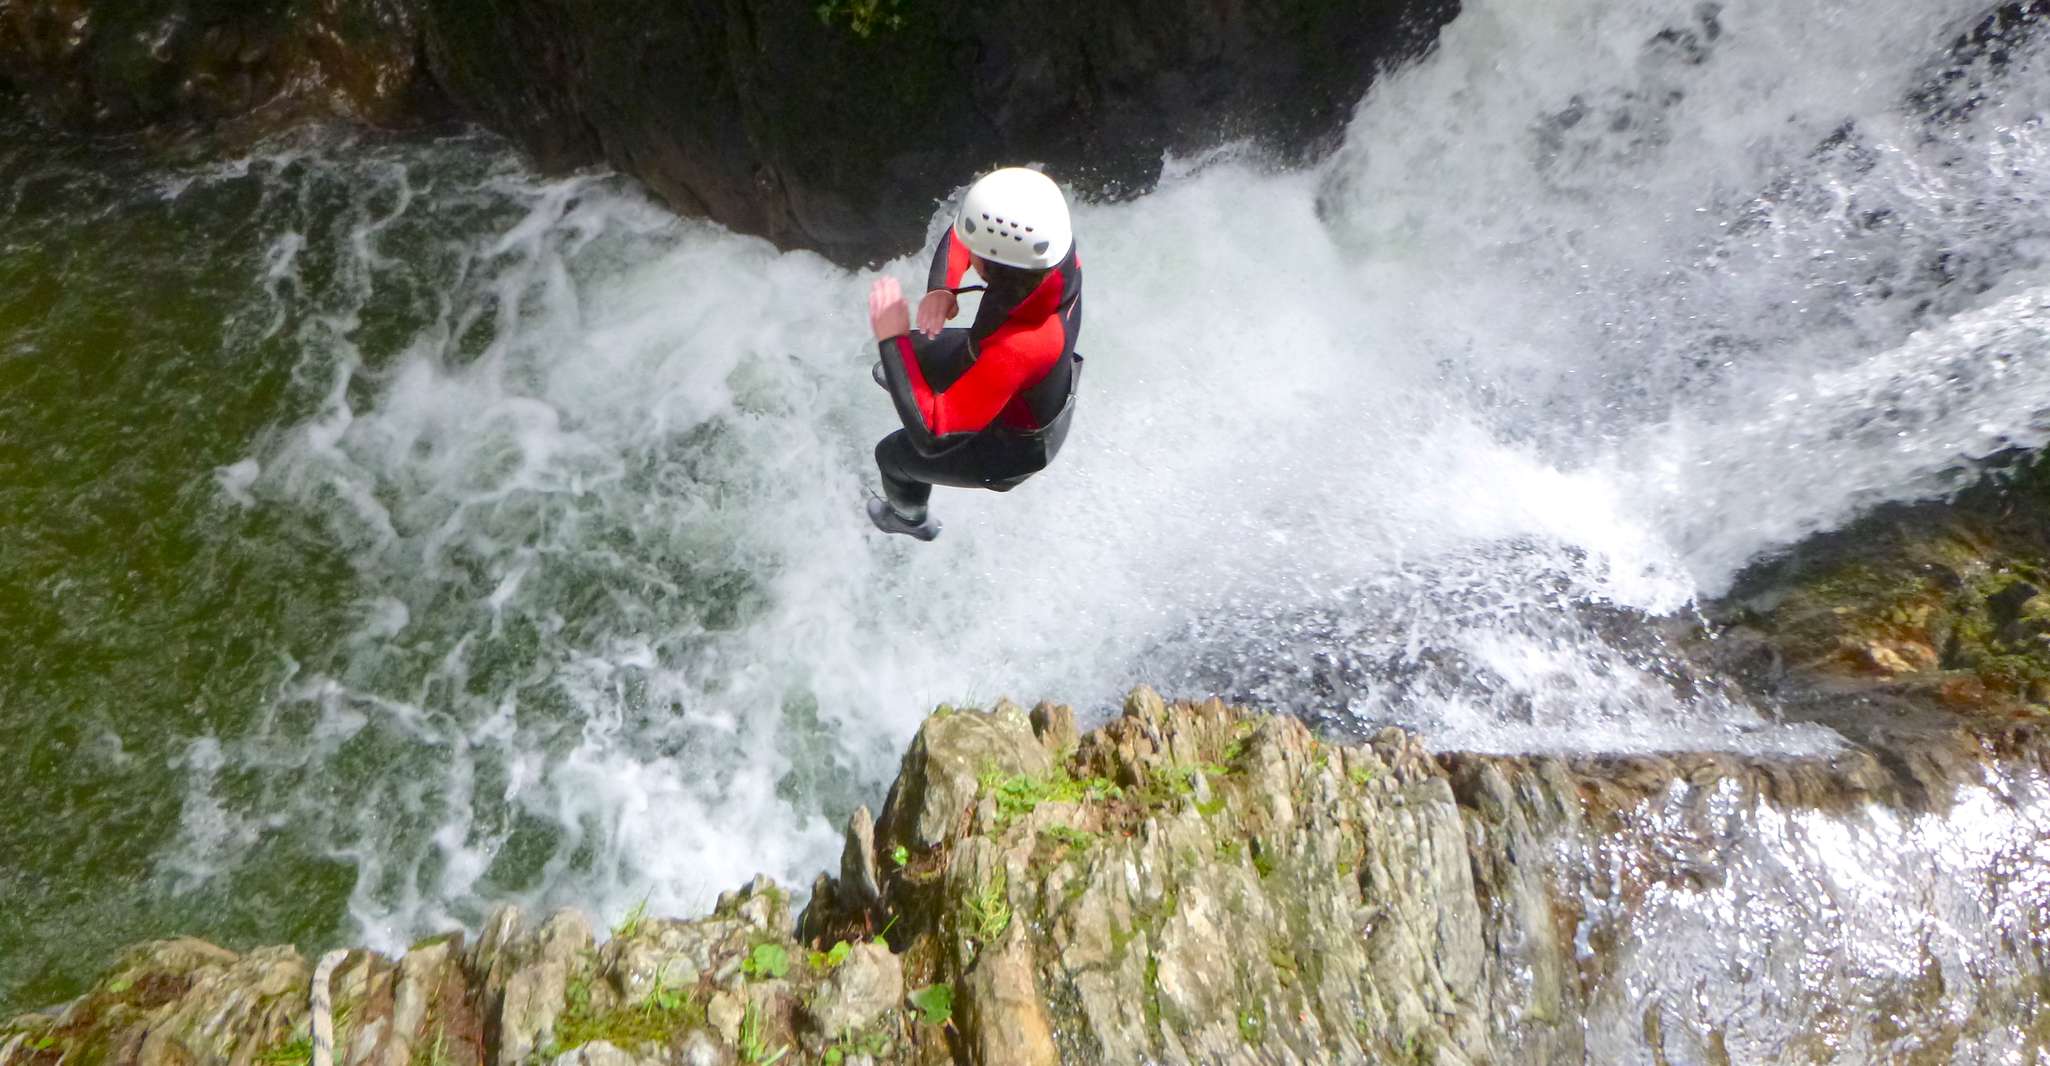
[1600, 300]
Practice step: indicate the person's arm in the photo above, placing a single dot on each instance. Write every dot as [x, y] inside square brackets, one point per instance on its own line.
[949, 262]
[891, 321]
[1004, 365]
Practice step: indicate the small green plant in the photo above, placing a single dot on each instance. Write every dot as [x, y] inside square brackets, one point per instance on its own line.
[824, 961]
[935, 1003]
[294, 1052]
[631, 924]
[900, 855]
[435, 1054]
[1263, 862]
[865, 17]
[882, 939]
[873, 1043]
[1152, 1004]
[1361, 776]
[754, 1045]
[1251, 1026]
[662, 996]
[768, 961]
[1079, 839]
[988, 910]
[119, 985]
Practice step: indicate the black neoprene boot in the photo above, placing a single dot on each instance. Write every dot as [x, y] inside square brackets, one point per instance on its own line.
[888, 520]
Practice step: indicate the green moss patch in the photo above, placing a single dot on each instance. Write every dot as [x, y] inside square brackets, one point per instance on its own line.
[664, 1014]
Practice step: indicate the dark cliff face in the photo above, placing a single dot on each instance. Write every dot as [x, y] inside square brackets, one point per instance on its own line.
[830, 125]
[836, 126]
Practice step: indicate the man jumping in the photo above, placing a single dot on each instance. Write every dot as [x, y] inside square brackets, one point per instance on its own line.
[987, 406]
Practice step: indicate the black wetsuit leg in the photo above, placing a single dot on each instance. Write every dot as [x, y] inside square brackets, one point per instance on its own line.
[995, 458]
[990, 460]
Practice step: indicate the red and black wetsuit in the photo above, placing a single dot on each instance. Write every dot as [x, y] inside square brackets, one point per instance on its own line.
[987, 406]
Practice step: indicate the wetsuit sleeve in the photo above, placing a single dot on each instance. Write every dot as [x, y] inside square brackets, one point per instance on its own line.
[906, 382]
[949, 262]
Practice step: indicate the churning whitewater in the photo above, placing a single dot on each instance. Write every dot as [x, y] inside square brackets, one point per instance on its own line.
[1600, 300]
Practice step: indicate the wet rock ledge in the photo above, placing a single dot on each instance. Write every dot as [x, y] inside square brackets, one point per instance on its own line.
[1188, 883]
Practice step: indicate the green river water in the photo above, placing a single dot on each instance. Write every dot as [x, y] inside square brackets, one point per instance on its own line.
[142, 610]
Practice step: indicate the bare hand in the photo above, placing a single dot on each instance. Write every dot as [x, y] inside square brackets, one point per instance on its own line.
[887, 314]
[935, 309]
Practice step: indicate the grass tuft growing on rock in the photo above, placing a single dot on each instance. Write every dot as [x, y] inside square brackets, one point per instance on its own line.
[986, 911]
[1068, 836]
[295, 1052]
[1018, 795]
[631, 924]
[433, 1053]
[754, 1040]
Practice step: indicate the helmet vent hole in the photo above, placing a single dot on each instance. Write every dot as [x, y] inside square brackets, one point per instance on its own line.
[969, 223]
[1041, 247]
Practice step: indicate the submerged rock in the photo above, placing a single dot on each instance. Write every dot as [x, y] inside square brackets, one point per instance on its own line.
[1923, 606]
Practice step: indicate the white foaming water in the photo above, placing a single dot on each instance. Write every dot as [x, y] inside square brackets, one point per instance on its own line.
[1601, 299]
[1744, 932]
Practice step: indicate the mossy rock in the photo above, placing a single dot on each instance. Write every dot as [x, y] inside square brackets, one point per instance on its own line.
[1942, 597]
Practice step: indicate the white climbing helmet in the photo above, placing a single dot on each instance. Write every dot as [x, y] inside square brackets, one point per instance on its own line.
[1016, 217]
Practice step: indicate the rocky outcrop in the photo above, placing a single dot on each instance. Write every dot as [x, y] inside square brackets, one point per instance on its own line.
[1188, 883]
[724, 988]
[1942, 605]
[833, 126]
[1192, 883]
